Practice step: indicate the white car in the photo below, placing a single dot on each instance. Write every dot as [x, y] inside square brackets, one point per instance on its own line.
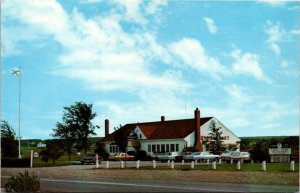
[201, 156]
[245, 156]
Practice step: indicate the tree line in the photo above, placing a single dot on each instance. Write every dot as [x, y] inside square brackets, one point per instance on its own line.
[72, 132]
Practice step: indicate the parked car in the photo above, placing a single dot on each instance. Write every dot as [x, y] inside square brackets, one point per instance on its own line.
[124, 157]
[166, 156]
[90, 158]
[225, 156]
[245, 156]
[201, 156]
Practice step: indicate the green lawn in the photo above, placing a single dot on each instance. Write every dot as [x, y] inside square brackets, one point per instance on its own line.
[274, 167]
[37, 162]
[282, 167]
[62, 161]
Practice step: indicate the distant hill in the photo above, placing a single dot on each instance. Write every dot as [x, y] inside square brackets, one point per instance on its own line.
[34, 142]
[268, 138]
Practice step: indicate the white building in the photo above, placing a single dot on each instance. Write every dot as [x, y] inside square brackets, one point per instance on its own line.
[169, 136]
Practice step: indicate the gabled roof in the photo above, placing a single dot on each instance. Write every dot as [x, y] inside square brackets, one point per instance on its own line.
[173, 129]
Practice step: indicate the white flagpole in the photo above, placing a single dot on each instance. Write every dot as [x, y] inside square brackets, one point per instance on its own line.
[17, 72]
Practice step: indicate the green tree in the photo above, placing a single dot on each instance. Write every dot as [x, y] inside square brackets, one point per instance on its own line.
[101, 151]
[260, 151]
[215, 143]
[77, 119]
[68, 136]
[53, 151]
[246, 145]
[9, 145]
[121, 138]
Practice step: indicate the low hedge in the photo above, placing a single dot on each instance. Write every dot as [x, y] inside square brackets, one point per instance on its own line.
[15, 162]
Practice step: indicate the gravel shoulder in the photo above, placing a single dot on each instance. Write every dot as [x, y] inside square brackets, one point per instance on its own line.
[88, 172]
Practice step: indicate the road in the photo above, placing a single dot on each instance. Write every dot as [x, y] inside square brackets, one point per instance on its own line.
[111, 185]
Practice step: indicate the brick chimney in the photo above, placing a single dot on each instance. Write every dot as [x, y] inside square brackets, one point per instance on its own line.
[162, 118]
[106, 127]
[198, 145]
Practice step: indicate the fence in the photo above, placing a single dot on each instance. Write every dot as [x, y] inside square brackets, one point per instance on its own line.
[186, 165]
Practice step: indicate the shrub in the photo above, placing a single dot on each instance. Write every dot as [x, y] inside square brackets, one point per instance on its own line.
[141, 155]
[23, 183]
[14, 162]
[131, 153]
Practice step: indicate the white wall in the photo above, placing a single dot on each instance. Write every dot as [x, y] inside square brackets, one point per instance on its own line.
[205, 130]
[139, 133]
[190, 139]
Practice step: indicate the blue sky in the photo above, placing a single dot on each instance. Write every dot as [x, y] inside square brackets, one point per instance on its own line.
[138, 60]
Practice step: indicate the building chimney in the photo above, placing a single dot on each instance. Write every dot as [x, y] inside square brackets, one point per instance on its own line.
[162, 118]
[198, 145]
[106, 127]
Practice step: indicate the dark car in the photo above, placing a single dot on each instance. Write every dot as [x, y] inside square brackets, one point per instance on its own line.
[90, 158]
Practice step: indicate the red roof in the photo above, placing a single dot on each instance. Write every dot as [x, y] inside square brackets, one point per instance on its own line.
[173, 129]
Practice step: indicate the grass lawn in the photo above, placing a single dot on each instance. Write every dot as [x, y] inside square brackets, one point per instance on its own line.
[274, 167]
[62, 161]
[281, 167]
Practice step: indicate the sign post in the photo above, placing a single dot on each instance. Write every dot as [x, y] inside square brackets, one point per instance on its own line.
[280, 153]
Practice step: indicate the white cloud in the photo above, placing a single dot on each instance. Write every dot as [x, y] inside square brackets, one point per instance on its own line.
[151, 105]
[108, 58]
[193, 54]
[296, 7]
[265, 117]
[211, 25]
[248, 63]
[295, 32]
[275, 48]
[133, 11]
[90, 1]
[153, 6]
[275, 32]
[237, 94]
[284, 64]
[273, 2]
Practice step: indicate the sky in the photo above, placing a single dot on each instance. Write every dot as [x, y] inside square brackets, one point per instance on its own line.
[136, 61]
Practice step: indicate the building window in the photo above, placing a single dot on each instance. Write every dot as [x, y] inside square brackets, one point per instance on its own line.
[177, 147]
[140, 136]
[158, 148]
[154, 148]
[163, 149]
[149, 148]
[114, 149]
[172, 147]
[167, 148]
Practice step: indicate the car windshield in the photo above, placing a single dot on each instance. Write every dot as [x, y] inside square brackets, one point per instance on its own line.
[196, 153]
[245, 153]
[235, 154]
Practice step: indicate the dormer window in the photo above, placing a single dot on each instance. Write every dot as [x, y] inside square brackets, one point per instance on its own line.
[140, 136]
